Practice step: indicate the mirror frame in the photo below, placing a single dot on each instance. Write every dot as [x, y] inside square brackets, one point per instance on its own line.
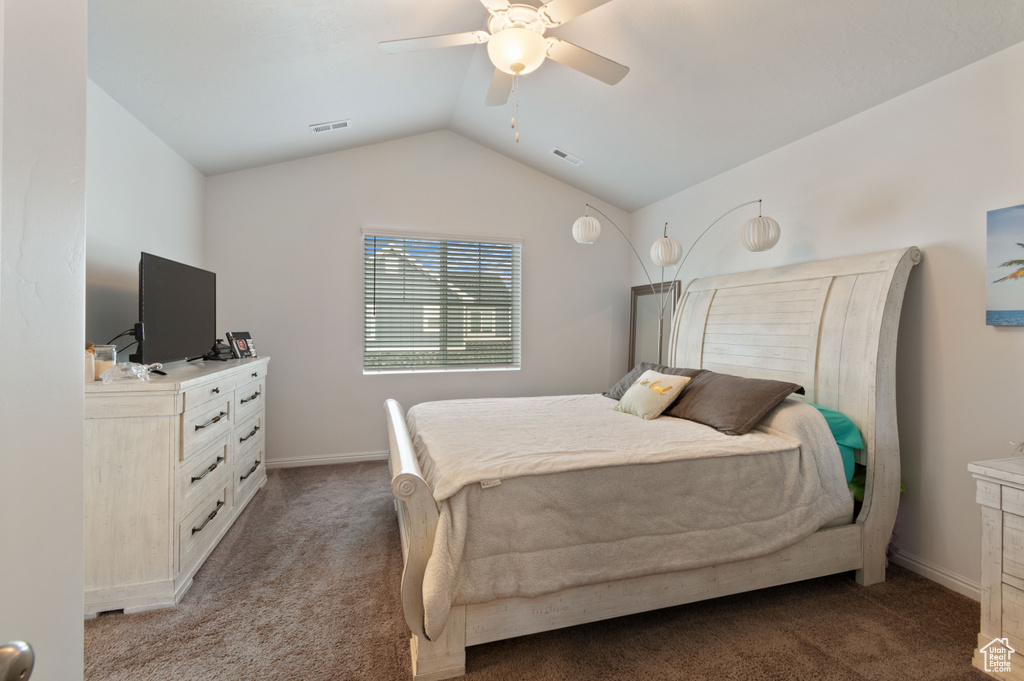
[674, 288]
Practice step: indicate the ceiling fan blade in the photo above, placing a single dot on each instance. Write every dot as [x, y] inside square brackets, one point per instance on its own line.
[560, 11]
[432, 41]
[501, 86]
[495, 5]
[585, 61]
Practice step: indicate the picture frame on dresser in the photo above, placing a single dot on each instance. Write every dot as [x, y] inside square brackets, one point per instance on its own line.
[241, 344]
[170, 464]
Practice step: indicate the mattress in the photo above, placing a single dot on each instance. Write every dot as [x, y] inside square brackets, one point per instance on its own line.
[540, 494]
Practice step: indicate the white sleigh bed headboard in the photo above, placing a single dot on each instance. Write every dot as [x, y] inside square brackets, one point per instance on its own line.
[828, 325]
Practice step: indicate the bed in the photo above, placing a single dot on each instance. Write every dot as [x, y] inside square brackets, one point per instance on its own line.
[829, 326]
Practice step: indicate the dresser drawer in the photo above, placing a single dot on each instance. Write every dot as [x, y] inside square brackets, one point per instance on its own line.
[1013, 545]
[195, 397]
[252, 373]
[249, 399]
[248, 432]
[199, 530]
[204, 424]
[202, 474]
[1013, 500]
[1013, 615]
[250, 471]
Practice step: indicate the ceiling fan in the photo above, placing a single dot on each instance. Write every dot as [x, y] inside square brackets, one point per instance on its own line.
[516, 43]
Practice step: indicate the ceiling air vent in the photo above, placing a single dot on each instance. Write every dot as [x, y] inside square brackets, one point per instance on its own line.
[319, 128]
[566, 156]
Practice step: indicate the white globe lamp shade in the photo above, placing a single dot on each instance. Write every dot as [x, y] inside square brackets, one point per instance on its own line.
[517, 50]
[666, 251]
[586, 229]
[760, 234]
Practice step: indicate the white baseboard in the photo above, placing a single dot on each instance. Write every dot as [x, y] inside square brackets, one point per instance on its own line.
[948, 579]
[328, 459]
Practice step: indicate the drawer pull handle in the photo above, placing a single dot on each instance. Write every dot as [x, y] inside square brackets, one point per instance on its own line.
[252, 397]
[251, 471]
[208, 518]
[212, 468]
[255, 374]
[216, 390]
[255, 429]
[212, 421]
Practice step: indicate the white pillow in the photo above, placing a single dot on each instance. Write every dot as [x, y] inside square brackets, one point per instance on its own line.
[651, 394]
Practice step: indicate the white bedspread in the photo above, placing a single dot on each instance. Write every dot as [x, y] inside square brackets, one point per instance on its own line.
[580, 502]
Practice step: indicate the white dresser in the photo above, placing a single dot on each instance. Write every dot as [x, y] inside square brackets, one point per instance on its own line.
[169, 464]
[1000, 650]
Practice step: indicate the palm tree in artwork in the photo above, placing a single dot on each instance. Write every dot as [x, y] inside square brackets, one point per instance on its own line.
[1016, 274]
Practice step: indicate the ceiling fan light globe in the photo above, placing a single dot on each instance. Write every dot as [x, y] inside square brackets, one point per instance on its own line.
[666, 251]
[760, 234]
[517, 50]
[586, 230]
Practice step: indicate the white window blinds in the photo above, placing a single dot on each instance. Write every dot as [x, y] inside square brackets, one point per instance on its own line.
[440, 303]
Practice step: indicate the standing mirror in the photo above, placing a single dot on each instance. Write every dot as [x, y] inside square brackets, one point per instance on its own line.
[648, 337]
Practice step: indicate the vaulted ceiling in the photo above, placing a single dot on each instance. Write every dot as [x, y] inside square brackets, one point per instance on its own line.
[231, 84]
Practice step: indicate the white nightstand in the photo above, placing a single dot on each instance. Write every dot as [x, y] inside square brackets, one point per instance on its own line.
[1001, 495]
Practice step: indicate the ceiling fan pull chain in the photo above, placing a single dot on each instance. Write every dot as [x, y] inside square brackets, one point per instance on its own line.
[515, 104]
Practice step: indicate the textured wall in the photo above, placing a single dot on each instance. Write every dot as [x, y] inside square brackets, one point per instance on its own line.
[42, 294]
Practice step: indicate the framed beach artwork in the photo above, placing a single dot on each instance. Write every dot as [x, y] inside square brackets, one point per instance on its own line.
[1004, 291]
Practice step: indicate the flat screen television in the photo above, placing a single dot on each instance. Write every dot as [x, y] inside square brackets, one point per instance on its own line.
[178, 310]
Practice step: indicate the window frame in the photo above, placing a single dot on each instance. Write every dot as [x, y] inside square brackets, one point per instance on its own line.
[487, 317]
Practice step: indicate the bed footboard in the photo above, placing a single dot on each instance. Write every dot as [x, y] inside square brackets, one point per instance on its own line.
[444, 658]
[417, 514]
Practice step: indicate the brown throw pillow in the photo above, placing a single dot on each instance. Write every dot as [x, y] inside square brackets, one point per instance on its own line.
[730, 404]
[627, 381]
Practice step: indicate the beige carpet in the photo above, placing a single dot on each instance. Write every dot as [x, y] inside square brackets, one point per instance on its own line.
[305, 587]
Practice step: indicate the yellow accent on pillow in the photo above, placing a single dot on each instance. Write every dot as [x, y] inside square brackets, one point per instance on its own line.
[651, 394]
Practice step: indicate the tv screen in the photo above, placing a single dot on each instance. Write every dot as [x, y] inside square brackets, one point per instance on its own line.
[177, 308]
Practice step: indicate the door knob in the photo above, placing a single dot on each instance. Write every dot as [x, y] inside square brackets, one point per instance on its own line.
[16, 661]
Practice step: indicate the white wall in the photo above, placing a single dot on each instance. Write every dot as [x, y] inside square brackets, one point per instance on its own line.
[922, 170]
[285, 241]
[42, 281]
[141, 196]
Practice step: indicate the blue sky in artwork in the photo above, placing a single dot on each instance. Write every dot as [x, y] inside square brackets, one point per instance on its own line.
[1005, 230]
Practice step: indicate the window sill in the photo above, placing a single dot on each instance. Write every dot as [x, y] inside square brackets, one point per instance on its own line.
[450, 370]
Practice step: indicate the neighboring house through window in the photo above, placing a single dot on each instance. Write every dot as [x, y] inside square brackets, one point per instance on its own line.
[440, 303]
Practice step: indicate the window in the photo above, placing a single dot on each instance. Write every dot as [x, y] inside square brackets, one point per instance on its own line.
[440, 303]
